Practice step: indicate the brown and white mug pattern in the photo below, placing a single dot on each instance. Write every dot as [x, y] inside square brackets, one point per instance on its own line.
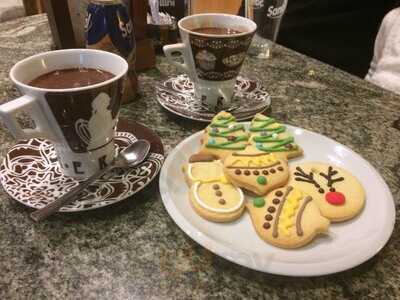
[212, 61]
[79, 121]
[219, 59]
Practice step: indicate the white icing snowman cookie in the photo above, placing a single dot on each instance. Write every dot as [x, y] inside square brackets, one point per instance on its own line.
[338, 194]
[211, 195]
[287, 218]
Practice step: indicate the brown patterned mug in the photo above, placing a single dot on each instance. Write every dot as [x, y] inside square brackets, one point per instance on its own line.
[213, 49]
[80, 121]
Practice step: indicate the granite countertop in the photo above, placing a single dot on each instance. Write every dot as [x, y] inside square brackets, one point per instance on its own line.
[135, 250]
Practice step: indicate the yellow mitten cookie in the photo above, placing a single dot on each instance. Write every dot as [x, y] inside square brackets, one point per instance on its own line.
[269, 136]
[257, 173]
[223, 136]
[338, 194]
[287, 218]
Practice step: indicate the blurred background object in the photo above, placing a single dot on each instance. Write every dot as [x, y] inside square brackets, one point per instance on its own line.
[67, 32]
[109, 27]
[162, 18]
[32, 7]
[234, 7]
[267, 14]
[338, 32]
[11, 9]
[385, 66]
[67, 23]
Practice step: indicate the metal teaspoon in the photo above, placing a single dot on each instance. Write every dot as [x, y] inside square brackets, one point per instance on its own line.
[129, 157]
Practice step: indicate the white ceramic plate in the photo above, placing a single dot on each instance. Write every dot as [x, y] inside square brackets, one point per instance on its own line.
[348, 244]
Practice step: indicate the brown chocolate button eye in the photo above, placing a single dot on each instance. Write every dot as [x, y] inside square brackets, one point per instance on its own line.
[238, 172]
[276, 201]
[268, 217]
[321, 191]
[332, 189]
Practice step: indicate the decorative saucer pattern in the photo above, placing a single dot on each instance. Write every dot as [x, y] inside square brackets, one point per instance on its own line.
[31, 174]
[178, 98]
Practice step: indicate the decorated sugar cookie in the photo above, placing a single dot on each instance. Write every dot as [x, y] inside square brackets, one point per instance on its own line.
[287, 218]
[217, 201]
[257, 173]
[211, 195]
[338, 194]
[269, 136]
[223, 136]
[204, 168]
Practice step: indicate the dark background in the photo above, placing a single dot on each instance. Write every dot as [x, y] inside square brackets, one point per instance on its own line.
[338, 32]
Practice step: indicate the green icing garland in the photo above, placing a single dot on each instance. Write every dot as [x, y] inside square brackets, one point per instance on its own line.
[280, 142]
[226, 132]
[278, 147]
[224, 123]
[229, 145]
[264, 123]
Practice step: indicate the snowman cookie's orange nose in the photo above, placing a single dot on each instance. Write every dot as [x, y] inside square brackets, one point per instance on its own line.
[335, 198]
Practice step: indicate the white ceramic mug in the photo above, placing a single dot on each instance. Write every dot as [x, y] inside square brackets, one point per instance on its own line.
[212, 61]
[80, 121]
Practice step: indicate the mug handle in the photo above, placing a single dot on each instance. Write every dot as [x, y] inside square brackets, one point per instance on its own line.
[30, 106]
[180, 48]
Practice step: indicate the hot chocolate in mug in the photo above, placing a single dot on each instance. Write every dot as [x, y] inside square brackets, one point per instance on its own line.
[213, 49]
[79, 121]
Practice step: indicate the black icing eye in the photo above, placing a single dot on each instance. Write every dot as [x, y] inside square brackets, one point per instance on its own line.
[321, 191]
[332, 189]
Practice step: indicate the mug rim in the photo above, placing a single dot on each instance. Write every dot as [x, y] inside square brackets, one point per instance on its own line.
[217, 35]
[68, 90]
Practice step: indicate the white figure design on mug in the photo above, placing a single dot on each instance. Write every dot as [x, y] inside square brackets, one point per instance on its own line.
[100, 121]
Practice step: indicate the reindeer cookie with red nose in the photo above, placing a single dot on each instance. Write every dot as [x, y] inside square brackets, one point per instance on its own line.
[338, 194]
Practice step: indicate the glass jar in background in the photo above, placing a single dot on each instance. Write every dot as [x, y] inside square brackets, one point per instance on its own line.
[267, 14]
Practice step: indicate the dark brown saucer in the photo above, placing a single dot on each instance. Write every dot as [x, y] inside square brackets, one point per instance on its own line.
[31, 174]
[177, 97]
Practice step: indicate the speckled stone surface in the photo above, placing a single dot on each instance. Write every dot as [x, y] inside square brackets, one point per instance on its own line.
[134, 250]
